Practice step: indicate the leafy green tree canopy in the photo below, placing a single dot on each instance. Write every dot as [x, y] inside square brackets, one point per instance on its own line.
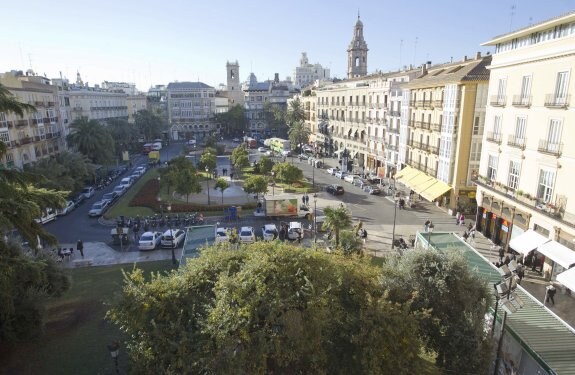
[287, 172]
[266, 308]
[337, 219]
[255, 185]
[93, 140]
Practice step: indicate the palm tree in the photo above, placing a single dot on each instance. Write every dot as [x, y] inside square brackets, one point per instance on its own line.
[295, 112]
[298, 134]
[9, 103]
[337, 219]
[92, 139]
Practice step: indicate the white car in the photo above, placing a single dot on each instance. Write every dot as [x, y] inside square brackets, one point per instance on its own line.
[236, 140]
[247, 235]
[126, 182]
[88, 192]
[191, 142]
[70, 205]
[140, 170]
[149, 240]
[222, 235]
[262, 149]
[294, 230]
[269, 153]
[340, 174]
[332, 171]
[98, 208]
[173, 238]
[120, 189]
[350, 177]
[269, 232]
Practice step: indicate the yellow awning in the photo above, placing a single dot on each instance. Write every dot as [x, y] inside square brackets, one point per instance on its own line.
[436, 190]
[418, 179]
[424, 185]
[405, 172]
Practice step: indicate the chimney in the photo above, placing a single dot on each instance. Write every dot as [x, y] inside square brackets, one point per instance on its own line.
[276, 77]
[477, 55]
[465, 58]
[423, 69]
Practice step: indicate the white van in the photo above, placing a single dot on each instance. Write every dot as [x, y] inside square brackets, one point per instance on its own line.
[126, 182]
[156, 146]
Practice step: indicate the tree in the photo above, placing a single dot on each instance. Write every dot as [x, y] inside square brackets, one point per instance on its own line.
[221, 185]
[149, 124]
[266, 308]
[298, 134]
[9, 103]
[275, 117]
[265, 165]
[124, 134]
[25, 284]
[208, 159]
[337, 219]
[65, 171]
[92, 139]
[187, 183]
[255, 185]
[240, 158]
[350, 243]
[233, 121]
[287, 173]
[455, 300]
[295, 112]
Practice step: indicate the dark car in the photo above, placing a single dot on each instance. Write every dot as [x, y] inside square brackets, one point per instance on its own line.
[335, 189]
[372, 190]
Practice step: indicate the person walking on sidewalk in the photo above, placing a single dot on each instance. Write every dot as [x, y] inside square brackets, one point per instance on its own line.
[501, 254]
[80, 247]
[550, 294]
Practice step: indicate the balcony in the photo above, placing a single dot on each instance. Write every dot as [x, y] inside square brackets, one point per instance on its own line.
[393, 130]
[26, 140]
[416, 144]
[391, 147]
[39, 103]
[494, 137]
[427, 104]
[395, 113]
[550, 148]
[21, 123]
[433, 149]
[438, 103]
[554, 101]
[436, 127]
[517, 142]
[498, 100]
[411, 124]
[521, 101]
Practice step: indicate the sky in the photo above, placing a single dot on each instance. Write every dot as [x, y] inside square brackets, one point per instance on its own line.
[156, 42]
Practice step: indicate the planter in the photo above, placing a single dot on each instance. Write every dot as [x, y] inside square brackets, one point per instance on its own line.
[524, 199]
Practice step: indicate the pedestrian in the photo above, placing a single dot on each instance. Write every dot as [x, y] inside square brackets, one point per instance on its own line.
[364, 236]
[306, 199]
[501, 254]
[534, 262]
[462, 220]
[457, 216]
[520, 272]
[465, 236]
[231, 176]
[402, 204]
[507, 260]
[80, 247]
[550, 294]
[299, 236]
[427, 225]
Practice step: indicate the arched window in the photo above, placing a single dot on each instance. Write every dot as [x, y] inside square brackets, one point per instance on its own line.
[357, 61]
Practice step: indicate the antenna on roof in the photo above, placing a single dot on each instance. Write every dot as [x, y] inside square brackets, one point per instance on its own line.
[513, 7]
[415, 51]
[400, 53]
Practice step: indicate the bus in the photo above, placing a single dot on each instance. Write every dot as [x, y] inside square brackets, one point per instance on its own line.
[147, 148]
[251, 142]
[278, 145]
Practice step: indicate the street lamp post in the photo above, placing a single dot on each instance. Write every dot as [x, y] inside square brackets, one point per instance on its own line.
[161, 207]
[315, 218]
[430, 228]
[273, 183]
[394, 217]
[313, 172]
[208, 183]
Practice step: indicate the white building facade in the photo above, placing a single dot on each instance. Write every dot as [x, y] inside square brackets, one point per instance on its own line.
[191, 109]
[306, 73]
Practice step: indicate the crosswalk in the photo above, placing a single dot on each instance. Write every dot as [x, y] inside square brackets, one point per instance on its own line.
[442, 222]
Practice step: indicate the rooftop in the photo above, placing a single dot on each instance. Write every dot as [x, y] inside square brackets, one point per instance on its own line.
[188, 86]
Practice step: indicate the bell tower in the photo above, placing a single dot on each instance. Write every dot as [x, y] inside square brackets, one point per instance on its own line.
[357, 52]
[235, 93]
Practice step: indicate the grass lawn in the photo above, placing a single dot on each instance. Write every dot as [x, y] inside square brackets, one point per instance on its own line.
[122, 206]
[76, 331]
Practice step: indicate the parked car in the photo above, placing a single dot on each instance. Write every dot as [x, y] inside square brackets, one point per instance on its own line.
[350, 177]
[98, 209]
[236, 140]
[222, 235]
[149, 240]
[303, 157]
[340, 174]
[269, 232]
[269, 153]
[334, 189]
[295, 230]
[120, 189]
[332, 171]
[286, 153]
[173, 238]
[191, 142]
[88, 192]
[70, 205]
[247, 235]
[140, 170]
[126, 182]
[262, 149]
[307, 148]
[110, 197]
[360, 182]
[372, 190]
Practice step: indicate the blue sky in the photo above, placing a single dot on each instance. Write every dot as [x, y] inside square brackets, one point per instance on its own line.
[156, 42]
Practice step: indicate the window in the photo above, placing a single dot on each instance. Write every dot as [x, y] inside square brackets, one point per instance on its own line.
[3, 122]
[525, 90]
[492, 167]
[475, 154]
[502, 86]
[554, 135]
[520, 129]
[545, 187]
[513, 178]
[561, 87]
[497, 126]
[4, 137]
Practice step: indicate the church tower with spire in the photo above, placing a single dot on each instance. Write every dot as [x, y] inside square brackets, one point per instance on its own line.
[357, 52]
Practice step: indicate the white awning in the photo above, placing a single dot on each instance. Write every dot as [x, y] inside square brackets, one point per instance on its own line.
[558, 253]
[528, 241]
[567, 278]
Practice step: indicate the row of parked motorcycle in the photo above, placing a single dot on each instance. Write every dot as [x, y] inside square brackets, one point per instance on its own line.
[160, 221]
[113, 174]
